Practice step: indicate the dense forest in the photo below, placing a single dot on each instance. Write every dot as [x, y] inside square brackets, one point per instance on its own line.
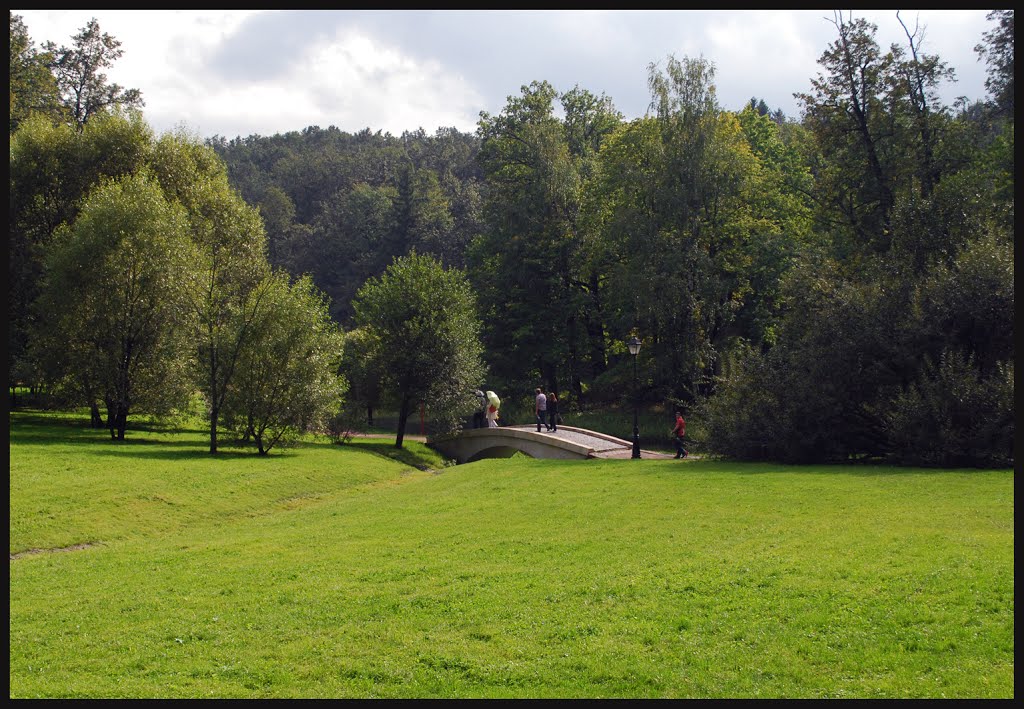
[833, 287]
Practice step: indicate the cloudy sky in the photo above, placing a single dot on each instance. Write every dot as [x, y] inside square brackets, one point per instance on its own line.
[243, 72]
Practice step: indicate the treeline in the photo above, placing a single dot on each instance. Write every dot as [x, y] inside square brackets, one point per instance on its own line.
[341, 206]
[138, 276]
[830, 288]
[820, 289]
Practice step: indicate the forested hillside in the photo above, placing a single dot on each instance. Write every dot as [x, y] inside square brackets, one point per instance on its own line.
[828, 287]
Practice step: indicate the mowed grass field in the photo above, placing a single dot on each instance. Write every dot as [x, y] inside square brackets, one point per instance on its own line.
[151, 569]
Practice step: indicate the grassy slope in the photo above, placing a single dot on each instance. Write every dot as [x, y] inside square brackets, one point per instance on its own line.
[336, 571]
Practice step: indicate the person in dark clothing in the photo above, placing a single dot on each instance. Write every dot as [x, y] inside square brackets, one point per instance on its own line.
[552, 411]
[480, 415]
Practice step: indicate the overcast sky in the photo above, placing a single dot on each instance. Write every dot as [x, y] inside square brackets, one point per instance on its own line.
[243, 72]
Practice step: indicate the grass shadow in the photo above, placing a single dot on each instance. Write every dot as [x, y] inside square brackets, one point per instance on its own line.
[184, 451]
[855, 469]
[388, 450]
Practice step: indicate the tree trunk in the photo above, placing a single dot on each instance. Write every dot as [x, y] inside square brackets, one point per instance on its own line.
[595, 331]
[111, 419]
[214, 407]
[213, 428]
[551, 377]
[117, 419]
[403, 416]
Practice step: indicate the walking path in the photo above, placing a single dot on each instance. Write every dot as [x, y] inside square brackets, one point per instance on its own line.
[604, 446]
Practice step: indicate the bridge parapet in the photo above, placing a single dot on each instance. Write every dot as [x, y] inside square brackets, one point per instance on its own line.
[503, 442]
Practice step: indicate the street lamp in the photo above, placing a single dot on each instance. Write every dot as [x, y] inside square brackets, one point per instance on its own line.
[634, 349]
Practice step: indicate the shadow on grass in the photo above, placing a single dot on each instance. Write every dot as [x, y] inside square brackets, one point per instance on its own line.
[41, 425]
[388, 450]
[853, 469]
[184, 452]
[45, 428]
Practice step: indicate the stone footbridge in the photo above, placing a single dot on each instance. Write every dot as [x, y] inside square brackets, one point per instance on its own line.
[568, 442]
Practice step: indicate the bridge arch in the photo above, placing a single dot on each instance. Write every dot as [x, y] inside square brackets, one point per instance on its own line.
[503, 442]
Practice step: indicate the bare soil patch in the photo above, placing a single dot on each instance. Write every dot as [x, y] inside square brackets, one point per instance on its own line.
[74, 547]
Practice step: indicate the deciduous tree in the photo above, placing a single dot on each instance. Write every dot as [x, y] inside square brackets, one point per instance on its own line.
[230, 264]
[425, 335]
[33, 88]
[522, 263]
[286, 381]
[997, 51]
[115, 300]
[83, 86]
[52, 167]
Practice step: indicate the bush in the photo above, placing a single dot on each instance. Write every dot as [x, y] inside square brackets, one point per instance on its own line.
[952, 416]
[740, 419]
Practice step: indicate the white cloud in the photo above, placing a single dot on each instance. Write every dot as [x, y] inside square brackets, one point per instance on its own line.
[232, 72]
[353, 79]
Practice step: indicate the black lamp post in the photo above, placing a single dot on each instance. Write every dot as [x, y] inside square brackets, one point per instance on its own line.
[634, 349]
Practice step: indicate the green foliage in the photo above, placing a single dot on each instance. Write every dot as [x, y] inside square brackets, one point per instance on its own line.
[952, 417]
[78, 70]
[340, 206]
[997, 51]
[804, 271]
[340, 572]
[807, 399]
[352, 234]
[847, 114]
[114, 308]
[525, 262]
[423, 334]
[848, 376]
[969, 306]
[706, 205]
[361, 371]
[229, 269]
[286, 382]
[741, 419]
[33, 88]
[52, 168]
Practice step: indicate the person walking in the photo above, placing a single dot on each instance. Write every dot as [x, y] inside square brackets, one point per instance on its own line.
[480, 415]
[552, 411]
[678, 432]
[540, 408]
[492, 410]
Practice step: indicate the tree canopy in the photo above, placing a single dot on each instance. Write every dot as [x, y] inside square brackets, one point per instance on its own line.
[114, 308]
[424, 336]
[831, 287]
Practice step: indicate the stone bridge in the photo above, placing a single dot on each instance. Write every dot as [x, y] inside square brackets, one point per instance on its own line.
[566, 443]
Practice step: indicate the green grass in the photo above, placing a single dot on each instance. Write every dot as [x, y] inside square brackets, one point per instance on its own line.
[343, 571]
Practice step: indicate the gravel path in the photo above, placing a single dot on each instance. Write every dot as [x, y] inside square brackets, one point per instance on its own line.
[603, 446]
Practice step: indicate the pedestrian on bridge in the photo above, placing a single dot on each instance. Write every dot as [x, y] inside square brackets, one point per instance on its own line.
[552, 411]
[540, 408]
[480, 415]
[492, 410]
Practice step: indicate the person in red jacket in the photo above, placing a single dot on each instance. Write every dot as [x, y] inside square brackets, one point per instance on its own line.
[679, 431]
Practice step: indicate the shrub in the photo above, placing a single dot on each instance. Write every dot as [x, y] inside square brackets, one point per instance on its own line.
[953, 416]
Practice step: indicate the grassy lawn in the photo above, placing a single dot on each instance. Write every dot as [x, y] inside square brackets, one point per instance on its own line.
[151, 569]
